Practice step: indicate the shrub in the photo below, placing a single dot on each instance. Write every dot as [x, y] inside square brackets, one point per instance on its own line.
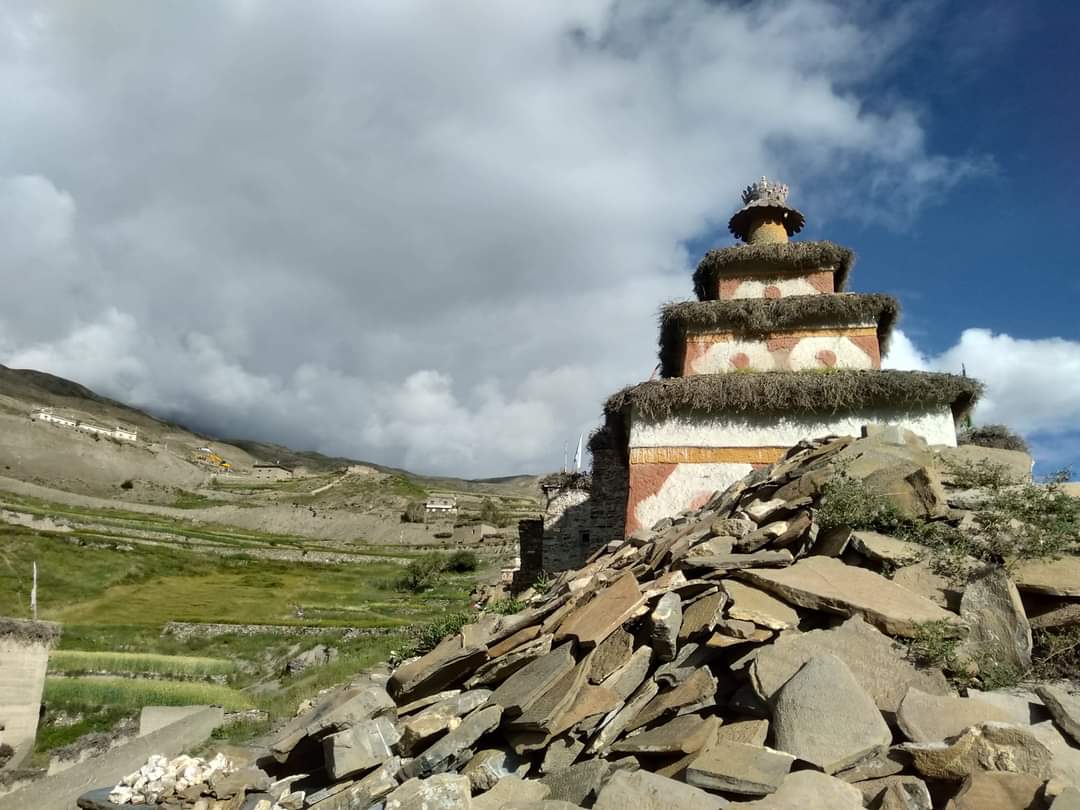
[128, 484]
[491, 514]
[426, 637]
[847, 502]
[415, 512]
[462, 562]
[998, 436]
[1056, 653]
[422, 573]
[505, 607]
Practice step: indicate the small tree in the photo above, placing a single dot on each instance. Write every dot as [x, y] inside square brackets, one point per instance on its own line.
[491, 514]
[415, 512]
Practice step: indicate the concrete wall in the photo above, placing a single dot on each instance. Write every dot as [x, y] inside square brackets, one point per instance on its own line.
[60, 792]
[853, 346]
[24, 658]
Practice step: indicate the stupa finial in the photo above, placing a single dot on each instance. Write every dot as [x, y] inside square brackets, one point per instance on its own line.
[765, 215]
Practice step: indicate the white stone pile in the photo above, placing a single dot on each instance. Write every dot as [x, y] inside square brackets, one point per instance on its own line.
[163, 778]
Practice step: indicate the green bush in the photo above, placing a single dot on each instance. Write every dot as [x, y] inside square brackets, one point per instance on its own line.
[847, 503]
[415, 512]
[422, 573]
[505, 607]
[462, 562]
[128, 484]
[426, 637]
[998, 436]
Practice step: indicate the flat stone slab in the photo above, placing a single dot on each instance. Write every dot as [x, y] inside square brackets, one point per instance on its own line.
[360, 747]
[510, 789]
[1060, 577]
[931, 718]
[664, 623]
[701, 616]
[997, 790]
[998, 627]
[697, 690]
[440, 755]
[1063, 707]
[877, 662]
[750, 770]
[518, 692]
[810, 790]
[735, 562]
[498, 670]
[610, 654]
[988, 747]
[445, 791]
[445, 666]
[823, 716]
[754, 605]
[824, 583]
[883, 548]
[598, 618]
[748, 732]
[578, 783]
[683, 735]
[641, 790]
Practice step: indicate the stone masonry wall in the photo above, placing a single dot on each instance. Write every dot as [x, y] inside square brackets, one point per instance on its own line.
[568, 531]
[610, 488]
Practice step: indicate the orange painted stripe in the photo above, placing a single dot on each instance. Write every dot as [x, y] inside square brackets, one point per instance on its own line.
[706, 455]
[723, 337]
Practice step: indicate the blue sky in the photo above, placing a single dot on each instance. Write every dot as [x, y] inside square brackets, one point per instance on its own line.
[438, 238]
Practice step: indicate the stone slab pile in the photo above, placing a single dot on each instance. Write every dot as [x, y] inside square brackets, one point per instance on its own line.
[740, 655]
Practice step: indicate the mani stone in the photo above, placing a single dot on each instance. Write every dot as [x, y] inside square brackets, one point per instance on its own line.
[683, 735]
[345, 708]
[896, 793]
[929, 718]
[749, 732]
[823, 716]
[524, 687]
[986, 747]
[998, 628]
[824, 583]
[697, 690]
[700, 617]
[809, 790]
[1066, 759]
[445, 791]
[737, 768]
[543, 714]
[510, 789]
[441, 717]
[499, 669]
[492, 764]
[561, 754]
[610, 654]
[630, 675]
[1060, 577]
[664, 624]
[359, 748]
[753, 605]
[641, 790]
[1064, 708]
[578, 783]
[997, 790]
[875, 660]
[445, 666]
[443, 753]
[622, 718]
[598, 618]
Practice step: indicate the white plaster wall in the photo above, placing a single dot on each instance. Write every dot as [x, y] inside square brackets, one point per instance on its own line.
[754, 288]
[717, 359]
[935, 425]
[22, 679]
[686, 483]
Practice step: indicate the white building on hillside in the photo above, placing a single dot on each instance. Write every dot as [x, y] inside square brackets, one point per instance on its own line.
[47, 415]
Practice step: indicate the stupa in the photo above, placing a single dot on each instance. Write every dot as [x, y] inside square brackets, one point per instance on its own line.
[773, 351]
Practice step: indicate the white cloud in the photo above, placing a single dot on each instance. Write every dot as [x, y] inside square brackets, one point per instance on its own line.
[402, 231]
[1033, 386]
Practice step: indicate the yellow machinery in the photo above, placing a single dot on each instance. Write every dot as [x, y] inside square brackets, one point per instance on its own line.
[204, 455]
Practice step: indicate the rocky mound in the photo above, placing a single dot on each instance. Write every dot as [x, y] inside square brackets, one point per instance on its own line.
[749, 654]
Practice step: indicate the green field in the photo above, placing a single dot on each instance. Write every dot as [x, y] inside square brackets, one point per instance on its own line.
[114, 600]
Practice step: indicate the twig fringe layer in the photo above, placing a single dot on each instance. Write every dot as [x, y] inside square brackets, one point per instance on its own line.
[783, 258]
[782, 392]
[760, 317]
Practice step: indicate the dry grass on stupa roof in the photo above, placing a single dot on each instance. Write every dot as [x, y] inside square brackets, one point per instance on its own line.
[760, 317]
[784, 258]
[796, 392]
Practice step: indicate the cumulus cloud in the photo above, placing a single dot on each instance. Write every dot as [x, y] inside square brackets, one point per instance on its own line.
[403, 231]
[1033, 386]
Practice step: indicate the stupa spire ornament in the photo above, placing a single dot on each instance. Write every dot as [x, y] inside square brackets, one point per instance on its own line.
[765, 215]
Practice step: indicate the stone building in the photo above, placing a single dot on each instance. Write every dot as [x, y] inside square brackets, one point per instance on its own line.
[265, 471]
[24, 658]
[772, 352]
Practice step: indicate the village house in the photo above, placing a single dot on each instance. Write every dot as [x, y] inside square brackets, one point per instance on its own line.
[267, 471]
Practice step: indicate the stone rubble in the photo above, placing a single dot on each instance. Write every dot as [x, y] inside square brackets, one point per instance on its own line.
[740, 655]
